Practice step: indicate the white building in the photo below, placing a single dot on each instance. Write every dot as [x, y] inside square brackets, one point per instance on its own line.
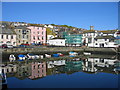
[57, 42]
[104, 41]
[48, 26]
[51, 64]
[7, 36]
[88, 37]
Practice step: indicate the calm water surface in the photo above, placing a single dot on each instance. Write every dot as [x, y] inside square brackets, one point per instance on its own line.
[97, 71]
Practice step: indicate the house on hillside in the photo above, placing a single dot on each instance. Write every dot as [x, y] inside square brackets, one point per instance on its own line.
[104, 41]
[7, 36]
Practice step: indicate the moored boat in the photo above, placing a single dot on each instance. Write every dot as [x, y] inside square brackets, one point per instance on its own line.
[32, 56]
[55, 55]
[21, 57]
[12, 58]
[87, 53]
[60, 54]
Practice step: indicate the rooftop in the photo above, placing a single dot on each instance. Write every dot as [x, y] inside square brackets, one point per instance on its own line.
[21, 27]
[105, 37]
[6, 31]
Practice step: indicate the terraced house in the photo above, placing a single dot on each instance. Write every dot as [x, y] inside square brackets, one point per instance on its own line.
[89, 36]
[23, 35]
[38, 35]
[7, 36]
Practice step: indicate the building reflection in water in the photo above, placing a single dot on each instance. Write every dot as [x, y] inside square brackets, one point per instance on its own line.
[36, 69]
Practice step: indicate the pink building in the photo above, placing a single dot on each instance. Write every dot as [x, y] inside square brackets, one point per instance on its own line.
[38, 70]
[38, 35]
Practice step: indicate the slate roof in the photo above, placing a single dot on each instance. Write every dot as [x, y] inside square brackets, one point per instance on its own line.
[89, 31]
[105, 37]
[22, 27]
[6, 31]
[108, 31]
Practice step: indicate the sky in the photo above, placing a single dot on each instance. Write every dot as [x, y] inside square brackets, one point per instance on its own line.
[101, 15]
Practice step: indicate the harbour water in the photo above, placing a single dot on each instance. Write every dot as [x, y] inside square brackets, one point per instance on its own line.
[94, 71]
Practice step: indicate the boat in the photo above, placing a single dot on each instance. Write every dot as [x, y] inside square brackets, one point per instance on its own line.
[86, 53]
[32, 56]
[12, 58]
[41, 56]
[55, 55]
[47, 55]
[21, 57]
[60, 54]
[3, 80]
[72, 54]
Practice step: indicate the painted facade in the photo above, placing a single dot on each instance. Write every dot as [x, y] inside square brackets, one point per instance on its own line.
[104, 41]
[38, 35]
[7, 36]
[23, 35]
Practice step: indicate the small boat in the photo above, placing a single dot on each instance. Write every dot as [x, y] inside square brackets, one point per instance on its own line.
[72, 54]
[55, 55]
[22, 57]
[86, 53]
[12, 58]
[60, 54]
[32, 56]
[3, 80]
[47, 55]
[41, 56]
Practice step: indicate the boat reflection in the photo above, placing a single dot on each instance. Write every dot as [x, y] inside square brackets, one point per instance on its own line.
[39, 69]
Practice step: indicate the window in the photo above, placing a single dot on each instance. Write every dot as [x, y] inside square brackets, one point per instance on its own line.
[38, 32]
[61, 42]
[95, 39]
[34, 37]
[11, 36]
[23, 31]
[38, 38]
[1, 36]
[89, 40]
[23, 36]
[96, 44]
[27, 36]
[105, 39]
[42, 38]
[14, 43]
[19, 30]
[42, 33]
[6, 36]
[19, 36]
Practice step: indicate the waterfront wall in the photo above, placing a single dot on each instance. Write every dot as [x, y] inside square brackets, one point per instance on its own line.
[61, 49]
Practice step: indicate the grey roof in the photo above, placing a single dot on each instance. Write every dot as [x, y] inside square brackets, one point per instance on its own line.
[6, 31]
[105, 37]
[22, 27]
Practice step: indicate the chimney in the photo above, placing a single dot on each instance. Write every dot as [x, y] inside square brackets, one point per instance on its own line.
[91, 27]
